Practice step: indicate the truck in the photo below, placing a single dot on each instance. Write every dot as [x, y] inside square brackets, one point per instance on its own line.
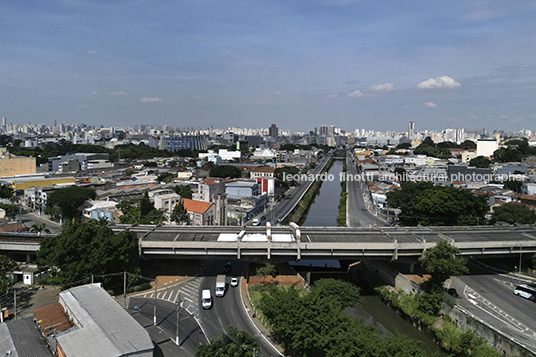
[220, 285]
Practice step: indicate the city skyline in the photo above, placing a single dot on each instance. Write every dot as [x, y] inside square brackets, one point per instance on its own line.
[354, 64]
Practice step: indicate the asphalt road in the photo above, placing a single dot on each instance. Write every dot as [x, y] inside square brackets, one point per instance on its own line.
[282, 208]
[29, 219]
[229, 309]
[489, 296]
[358, 214]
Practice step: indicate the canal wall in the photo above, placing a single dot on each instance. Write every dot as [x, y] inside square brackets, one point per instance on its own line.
[464, 319]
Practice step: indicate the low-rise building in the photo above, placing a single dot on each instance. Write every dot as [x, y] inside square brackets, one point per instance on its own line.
[241, 189]
[166, 202]
[200, 213]
[11, 165]
[21, 338]
[262, 172]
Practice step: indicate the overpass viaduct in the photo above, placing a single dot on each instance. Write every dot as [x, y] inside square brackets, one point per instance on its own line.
[341, 243]
[287, 243]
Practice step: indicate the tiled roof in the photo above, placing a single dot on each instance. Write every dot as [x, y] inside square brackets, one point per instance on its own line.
[263, 169]
[52, 318]
[195, 206]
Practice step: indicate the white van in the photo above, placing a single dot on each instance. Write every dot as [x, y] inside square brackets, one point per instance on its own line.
[206, 299]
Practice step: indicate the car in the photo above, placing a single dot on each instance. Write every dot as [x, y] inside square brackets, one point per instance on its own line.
[234, 282]
[227, 267]
[453, 292]
[255, 222]
[263, 218]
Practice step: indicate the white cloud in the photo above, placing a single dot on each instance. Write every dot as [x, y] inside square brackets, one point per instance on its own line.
[117, 94]
[196, 97]
[430, 105]
[385, 87]
[355, 94]
[405, 107]
[330, 96]
[92, 52]
[151, 100]
[93, 93]
[278, 93]
[444, 82]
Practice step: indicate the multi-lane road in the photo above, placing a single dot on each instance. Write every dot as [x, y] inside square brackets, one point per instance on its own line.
[197, 325]
[489, 296]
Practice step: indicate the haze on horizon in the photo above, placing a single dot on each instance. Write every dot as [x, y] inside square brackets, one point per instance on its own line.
[250, 63]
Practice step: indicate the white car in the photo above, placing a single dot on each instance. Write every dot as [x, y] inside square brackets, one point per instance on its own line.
[234, 282]
[255, 222]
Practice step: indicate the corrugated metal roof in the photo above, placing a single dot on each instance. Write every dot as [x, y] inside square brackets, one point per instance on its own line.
[105, 329]
[22, 338]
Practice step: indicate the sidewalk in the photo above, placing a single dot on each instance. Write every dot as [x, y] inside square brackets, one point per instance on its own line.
[258, 325]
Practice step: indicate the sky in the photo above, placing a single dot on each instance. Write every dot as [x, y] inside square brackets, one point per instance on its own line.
[370, 64]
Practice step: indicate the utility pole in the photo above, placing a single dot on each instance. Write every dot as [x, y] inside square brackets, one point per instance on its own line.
[125, 289]
[154, 318]
[177, 313]
[15, 302]
[520, 255]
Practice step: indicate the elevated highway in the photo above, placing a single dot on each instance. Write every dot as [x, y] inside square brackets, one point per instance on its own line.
[294, 243]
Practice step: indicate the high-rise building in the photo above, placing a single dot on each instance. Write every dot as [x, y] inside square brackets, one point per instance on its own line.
[411, 130]
[4, 122]
[273, 131]
[323, 130]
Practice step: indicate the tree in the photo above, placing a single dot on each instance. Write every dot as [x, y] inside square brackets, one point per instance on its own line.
[427, 204]
[185, 192]
[442, 262]
[235, 343]
[513, 213]
[6, 266]
[166, 177]
[513, 185]
[267, 270]
[66, 202]
[400, 173]
[468, 144]
[11, 209]
[403, 146]
[146, 206]
[225, 171]
[179, 214]
[39, 228]
[85, 248]
[480, 162]
[129, 172]
[6, 191]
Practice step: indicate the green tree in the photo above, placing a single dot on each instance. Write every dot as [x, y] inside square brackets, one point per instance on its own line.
[513, 213]
[480, 162]
[225, 171]
[468, 144]
[146, 206]
[66, 202]
[39, 228]
[442, 262]
[11, 209]
[427, 204]
[166, 177]
[235, 343]
[183, 191]
[129, 172]
[85, 248]
[6, 191]
[6, 266]
[179, 214]
[265, 271]
[513, 185]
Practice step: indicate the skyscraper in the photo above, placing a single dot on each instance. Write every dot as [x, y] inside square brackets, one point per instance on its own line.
[411, 131]
[273, 131]
[4, 122]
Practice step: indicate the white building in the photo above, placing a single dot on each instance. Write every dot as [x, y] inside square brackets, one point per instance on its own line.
[486, 147]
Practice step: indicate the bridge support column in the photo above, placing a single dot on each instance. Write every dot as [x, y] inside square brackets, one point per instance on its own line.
[412, 267]
[28, 258]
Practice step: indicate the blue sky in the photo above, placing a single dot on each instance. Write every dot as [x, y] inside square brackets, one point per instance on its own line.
[249, 63]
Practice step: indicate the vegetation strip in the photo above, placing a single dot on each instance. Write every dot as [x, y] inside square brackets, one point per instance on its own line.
[299, 214]
[341, 218]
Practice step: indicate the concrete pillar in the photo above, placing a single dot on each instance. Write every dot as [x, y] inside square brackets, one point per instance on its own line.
[28, 258]
[412, 267]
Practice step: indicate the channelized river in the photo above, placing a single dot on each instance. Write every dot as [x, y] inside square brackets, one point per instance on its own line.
[371, 310]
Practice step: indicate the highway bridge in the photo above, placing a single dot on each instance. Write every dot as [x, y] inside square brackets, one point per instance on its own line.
[287, 243]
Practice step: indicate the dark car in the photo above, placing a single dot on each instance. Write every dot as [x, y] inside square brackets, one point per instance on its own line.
[453, 292]
[227, 267]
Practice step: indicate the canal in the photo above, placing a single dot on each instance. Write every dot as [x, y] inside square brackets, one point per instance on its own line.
[371, 310]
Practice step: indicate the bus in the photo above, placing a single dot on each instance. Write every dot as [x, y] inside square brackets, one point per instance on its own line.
[526, 291]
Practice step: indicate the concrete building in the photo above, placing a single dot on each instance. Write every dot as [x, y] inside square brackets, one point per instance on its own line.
[176, 143]
[101, 209]
[11, 165]
[209, 187]
[166, 202]
[486, 147]
[87, 161]
[262, 172]
[241, 189]
[101, 326]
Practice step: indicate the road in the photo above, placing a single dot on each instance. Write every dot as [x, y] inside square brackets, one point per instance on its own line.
[282, 208]
[489, 296]
[358, 214]
[198, 325]
[229, 309]
[29, 219]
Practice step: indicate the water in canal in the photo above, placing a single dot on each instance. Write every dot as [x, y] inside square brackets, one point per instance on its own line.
[324, 210]
[371, 310]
